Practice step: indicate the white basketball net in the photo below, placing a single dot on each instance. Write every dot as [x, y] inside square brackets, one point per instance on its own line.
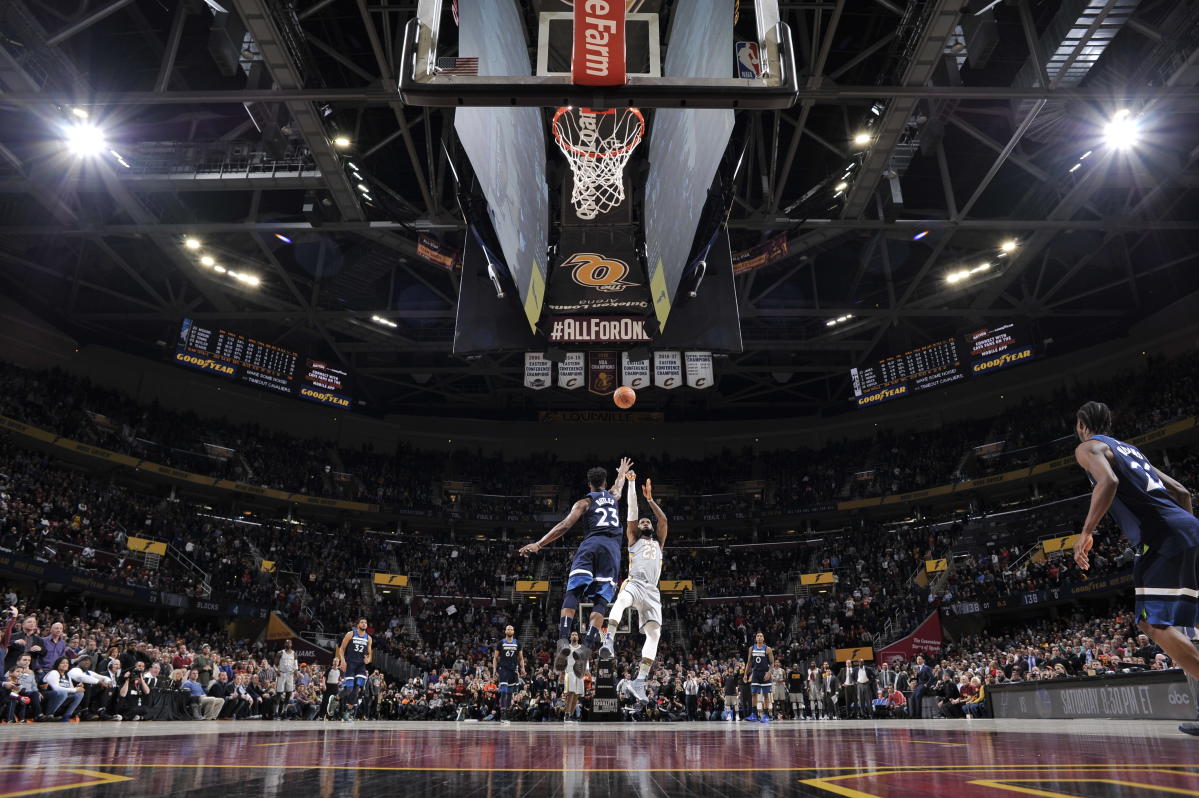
[598, 144]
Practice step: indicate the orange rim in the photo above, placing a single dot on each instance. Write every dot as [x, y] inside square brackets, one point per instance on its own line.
[567, 146]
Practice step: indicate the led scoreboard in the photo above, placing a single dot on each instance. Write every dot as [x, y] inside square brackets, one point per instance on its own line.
[244, 359]
[940, 363]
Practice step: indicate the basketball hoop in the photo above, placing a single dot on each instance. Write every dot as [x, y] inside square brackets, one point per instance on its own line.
[598, 144]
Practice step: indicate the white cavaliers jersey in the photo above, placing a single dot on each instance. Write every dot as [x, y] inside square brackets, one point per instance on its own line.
[287, 661]
[645, 561]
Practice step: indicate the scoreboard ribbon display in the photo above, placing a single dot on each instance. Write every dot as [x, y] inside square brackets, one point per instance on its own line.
[940, 363]
[244, 359]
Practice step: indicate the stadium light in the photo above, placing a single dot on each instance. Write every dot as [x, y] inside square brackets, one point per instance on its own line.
[208, 260]
[85, 140]
[1123, 131]
[191, 243]
[362, 187]
[283, 238]
[384, 322]
[838, 320]
[1008, 246]
[219, 269]
[862, 139]
[341, 143]
[920, 235]
[841, 186]
[79, 113]
[248, 279]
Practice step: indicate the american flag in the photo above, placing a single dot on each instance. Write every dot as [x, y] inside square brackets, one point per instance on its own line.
[457, 66]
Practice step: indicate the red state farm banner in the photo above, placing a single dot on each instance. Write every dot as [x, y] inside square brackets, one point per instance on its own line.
[925, 640]
[598, 58]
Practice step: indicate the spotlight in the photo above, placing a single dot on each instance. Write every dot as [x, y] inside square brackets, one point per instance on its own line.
[219, 269]
[841, 186]
[341, 142]
[362, 187]
[249, 279]
[208, 260]
[283, 238]
[862, 139]
[191, 243]
[1122, 132]
[1009, 245]
[85, 140]
[79, 112]
[351, 165]
[384, 322]
[920, 235]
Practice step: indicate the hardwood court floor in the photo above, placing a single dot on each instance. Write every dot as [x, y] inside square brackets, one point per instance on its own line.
[407, 760]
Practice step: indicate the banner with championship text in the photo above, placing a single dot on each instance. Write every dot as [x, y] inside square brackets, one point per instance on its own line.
[927, 639]
[635, 372]
[572, 371]
[699, 369]
[668, 370]
[601, 372]
[537, 371]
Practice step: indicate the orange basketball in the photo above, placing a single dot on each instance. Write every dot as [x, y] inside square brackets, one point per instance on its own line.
[624, 397]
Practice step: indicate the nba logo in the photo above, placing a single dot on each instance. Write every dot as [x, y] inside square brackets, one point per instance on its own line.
[749, 64]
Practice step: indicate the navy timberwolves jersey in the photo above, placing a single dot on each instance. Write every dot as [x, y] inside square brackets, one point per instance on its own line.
[759, 663]
[603, 516]
[1143, 508]
[509, 659]
[356, 650]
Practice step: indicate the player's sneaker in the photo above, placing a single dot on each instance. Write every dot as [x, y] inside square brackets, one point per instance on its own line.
[753, 718]
[505, 722]
[582, 657]
[765, 719]
[606, 652]
[1189, 728]
[561, 656]
[637, 686]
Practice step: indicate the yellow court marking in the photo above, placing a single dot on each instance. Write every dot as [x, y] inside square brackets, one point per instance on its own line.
[96, 779]
[1005, 784]
[934, 742]
[825, 782]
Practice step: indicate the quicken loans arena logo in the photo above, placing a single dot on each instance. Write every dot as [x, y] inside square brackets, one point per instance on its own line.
[592, 270]
[205, 363]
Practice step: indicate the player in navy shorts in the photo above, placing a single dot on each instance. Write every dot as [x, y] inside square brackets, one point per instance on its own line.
[1154, 512]
[508, 663]
[596, 565]
[355, 651]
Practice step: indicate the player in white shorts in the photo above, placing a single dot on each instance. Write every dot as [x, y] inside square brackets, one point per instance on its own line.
[640, 590]
[573, 686]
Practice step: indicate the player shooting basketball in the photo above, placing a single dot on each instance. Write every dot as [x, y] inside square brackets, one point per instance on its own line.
[640, 590]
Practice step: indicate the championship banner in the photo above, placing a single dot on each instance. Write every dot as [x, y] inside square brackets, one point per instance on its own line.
[636, 372]
[668, 370]
[699, 370]
[764, 254]
[601, 372]
[537, 371]
[926, 639]
[571, 372]
[846, 654]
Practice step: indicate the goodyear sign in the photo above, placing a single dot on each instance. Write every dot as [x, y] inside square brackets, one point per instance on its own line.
[822, 578]
[846, 654]
[675, 585]
[933, 566]
[324, 397]
[391, 580]
[885, 395]
[186, 358]
[146, 545]
[1064, 543]
[1021, 355]
[532, 586]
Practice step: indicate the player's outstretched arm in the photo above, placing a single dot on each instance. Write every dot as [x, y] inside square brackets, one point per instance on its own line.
[559, 529]
[1178, 492]
[1092, 456]
[345, 641]
[622, 471]
[633, 512]
[647, 491]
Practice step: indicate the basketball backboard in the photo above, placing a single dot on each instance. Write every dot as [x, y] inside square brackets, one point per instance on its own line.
[761, 73]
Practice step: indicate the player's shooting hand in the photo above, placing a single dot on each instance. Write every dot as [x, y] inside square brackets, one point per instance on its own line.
[647, 490]
[1082, 549]
[625, 465]
[531, 548]
[631, 476]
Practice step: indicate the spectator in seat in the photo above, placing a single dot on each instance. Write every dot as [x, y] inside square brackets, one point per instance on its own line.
[55, 646]
[98, 689]
[62, 693]
[133, 693]
[976, 706]
[897, 704]
[26, 682]
[207, 707]
[26, 641]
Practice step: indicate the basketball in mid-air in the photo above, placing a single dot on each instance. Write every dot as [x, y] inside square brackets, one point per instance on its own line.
[624, 397]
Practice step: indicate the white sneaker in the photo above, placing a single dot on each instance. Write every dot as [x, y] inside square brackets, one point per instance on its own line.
[638, 688]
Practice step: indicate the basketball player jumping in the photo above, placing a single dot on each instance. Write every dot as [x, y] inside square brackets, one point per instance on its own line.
[1155, 513]
[596, 564]
[640, 590]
